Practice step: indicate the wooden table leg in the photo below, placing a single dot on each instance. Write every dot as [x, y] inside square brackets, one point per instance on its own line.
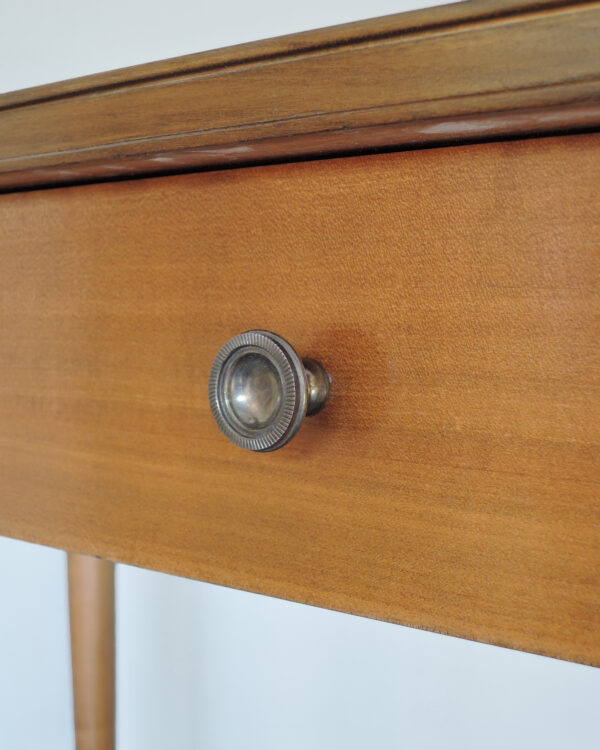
[92, 617]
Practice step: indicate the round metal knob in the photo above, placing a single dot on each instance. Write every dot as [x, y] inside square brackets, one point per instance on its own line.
[260, 390]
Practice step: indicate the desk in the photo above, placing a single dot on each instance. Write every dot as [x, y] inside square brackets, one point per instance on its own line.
[451, 482]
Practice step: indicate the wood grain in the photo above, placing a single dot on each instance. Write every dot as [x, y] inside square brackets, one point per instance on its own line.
[452, 482]
[461, 72]
[92, 621]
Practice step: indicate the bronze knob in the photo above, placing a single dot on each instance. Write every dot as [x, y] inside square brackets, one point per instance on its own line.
[260, 390]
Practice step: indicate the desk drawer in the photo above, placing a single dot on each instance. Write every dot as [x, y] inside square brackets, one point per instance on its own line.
[452, 481]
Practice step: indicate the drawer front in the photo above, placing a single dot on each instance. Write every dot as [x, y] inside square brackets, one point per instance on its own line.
[452, 481]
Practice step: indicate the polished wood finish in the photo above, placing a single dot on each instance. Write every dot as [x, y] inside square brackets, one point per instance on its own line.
[452, 481]
[92, 618]
[461, 72]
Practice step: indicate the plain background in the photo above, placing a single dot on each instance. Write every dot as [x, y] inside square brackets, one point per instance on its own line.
[201, 667]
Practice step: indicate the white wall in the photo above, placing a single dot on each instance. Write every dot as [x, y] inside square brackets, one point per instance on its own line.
[200, 666]
[206, 667]
[35, 680]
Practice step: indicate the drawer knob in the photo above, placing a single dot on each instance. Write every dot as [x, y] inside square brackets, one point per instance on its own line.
[260, 390]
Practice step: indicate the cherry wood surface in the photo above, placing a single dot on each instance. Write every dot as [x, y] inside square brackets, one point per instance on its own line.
[92, 621]
[467, 71]
[451, 483]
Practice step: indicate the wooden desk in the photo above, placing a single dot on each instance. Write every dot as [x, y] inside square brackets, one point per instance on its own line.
[451, 483]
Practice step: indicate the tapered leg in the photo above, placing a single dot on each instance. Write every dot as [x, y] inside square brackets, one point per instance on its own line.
[92, 617]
